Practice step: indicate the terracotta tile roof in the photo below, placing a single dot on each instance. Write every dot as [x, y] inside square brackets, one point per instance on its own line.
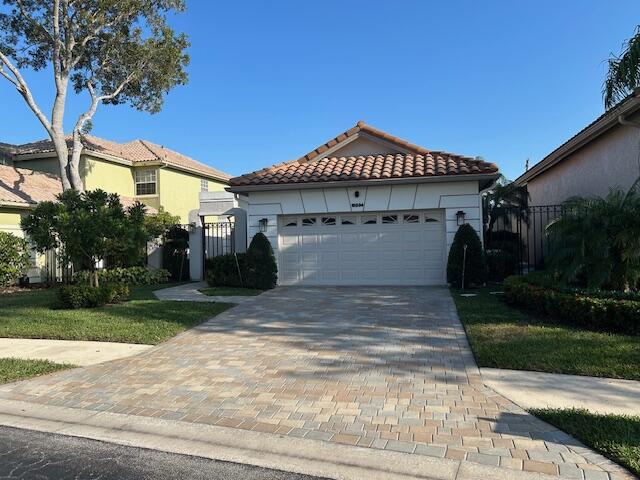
[314, 167]
[24, 187]
[136, 151]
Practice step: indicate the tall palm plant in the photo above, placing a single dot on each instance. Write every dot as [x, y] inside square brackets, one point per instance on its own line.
[597, 240]
[504, 203]
[624, 72]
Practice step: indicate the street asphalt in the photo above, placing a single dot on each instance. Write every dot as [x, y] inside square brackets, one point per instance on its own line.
[29, 455]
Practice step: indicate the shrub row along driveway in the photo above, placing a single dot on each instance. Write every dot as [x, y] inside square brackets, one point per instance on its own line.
[385, 368]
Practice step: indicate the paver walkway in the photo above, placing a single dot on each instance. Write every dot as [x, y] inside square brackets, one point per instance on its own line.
[189, 292]
[386, 368]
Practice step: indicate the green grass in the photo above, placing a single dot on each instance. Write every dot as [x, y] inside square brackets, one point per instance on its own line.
[230, 291]
[615, 436]
[13, 369]
[143, 319]
[504, 337]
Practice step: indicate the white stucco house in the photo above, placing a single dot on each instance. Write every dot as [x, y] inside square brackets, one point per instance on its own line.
[364, 208]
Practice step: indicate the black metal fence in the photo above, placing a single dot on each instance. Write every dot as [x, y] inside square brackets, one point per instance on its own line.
[218, 238]
[516, 239]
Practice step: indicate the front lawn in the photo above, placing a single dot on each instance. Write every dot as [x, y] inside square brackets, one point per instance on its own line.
[615, 436]
[143, 319]
[505, 337]
[14, 369]
[230, 291]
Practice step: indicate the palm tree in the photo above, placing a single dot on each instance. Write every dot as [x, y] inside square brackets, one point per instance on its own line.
[624, 72]
[506, 201]
[597, 240]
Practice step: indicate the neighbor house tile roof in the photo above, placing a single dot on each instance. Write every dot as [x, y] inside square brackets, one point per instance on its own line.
[22, 187]
[136, 151]
[417, 162]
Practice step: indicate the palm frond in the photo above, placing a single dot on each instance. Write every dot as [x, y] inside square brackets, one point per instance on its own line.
[624, 72]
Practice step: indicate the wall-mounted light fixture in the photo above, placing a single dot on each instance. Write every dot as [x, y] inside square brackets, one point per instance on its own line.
[262, 224]
[460, 217]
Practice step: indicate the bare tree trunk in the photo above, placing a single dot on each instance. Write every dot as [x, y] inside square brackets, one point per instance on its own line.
[57, 128]
[74, 163]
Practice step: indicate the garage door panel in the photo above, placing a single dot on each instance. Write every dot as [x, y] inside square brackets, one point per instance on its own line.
[357, 254]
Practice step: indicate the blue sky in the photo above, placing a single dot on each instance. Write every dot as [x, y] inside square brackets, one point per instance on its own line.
[270, 81]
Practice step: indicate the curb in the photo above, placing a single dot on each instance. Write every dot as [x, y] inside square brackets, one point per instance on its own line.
[298, 455]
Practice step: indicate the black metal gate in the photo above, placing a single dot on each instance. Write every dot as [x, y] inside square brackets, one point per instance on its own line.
[516, 240]
[218, 238]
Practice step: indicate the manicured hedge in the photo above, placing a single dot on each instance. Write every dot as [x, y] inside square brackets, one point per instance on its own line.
[129, 276]
[222, 271]
[86, 296]
[579, 309]
[14, 258]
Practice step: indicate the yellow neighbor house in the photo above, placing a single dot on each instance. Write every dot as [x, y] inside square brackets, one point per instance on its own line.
[136, 171]
[141, 170]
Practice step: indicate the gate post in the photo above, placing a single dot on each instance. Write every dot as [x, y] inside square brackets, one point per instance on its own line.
[196, 253]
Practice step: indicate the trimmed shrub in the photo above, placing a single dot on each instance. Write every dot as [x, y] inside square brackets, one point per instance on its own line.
[500, 264]
[222, 271]
[576, 309]
[262, 270]
[86, 296]
[129, 276]
[475, 269]
[174, 253]
[14, 258]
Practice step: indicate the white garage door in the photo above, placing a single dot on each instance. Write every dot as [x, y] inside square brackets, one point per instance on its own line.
[384, 248]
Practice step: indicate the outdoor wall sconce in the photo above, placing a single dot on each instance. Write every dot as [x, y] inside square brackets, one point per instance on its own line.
[460, 217]
[262, 224]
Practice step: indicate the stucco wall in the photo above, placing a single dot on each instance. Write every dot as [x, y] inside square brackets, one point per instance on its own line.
[108, 176]
[450, 196]
[179, 192]
[610, 160]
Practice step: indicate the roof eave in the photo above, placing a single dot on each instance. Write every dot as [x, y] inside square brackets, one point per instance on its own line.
[123, 161]
[468, 177]
[607, 122]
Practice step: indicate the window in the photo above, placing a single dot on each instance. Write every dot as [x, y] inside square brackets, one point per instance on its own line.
[427, 218]
[369, 219]
[145, 182]
[348, 220]
[308, 221]
[411, 219]
[390, 219]
[290, 222]
[328, 220]
[204, 185]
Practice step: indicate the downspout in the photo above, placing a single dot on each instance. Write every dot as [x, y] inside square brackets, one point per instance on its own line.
[630, 123]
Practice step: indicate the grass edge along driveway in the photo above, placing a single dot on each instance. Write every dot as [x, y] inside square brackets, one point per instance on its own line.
[14, 369]
[617, 437]
[504, 337]
[143, 319]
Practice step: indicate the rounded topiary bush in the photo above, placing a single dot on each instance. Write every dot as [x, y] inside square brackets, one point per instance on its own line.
[475, 269]
[14, 258]
[262, 270]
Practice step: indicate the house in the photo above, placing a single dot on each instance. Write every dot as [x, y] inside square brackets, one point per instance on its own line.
[603, 155]
[21, 190]
[150, 173]
[364, 208]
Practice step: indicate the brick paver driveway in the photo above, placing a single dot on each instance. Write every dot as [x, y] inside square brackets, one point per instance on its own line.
[386, 368]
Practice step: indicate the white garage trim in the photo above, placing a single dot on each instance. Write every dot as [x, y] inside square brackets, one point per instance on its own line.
[365, 248]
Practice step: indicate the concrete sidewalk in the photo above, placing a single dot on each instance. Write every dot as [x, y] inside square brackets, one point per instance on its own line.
[74, 352]
[551, 390]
